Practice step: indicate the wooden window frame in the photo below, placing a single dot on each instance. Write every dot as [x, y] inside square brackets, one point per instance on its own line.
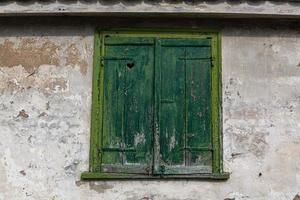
[97, 99]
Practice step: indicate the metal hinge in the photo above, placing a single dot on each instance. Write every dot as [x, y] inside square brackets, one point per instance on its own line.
[103, 58]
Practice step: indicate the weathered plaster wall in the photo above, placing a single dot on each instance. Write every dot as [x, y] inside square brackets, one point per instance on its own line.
[45, 102]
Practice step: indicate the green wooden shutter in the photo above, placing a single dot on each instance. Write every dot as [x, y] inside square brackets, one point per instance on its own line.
[128, 105]
[183, 106]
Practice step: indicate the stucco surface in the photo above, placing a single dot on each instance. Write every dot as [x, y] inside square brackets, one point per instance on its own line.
[45, 104]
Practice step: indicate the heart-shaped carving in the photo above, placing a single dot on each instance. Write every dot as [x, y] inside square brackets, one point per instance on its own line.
[130, 65]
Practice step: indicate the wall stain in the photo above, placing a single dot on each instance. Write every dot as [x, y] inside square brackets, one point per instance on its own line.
[146, 198]
[30, 53]
[48, 105]
[73, 56]
[23, 114]
[71, 168]
[297, 197]
[249, 140]
[23, 172]
[235, 155]
[79, 183]
[100, 187]
[42, 114]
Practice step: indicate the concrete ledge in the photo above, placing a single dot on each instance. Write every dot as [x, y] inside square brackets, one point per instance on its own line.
[245, 9]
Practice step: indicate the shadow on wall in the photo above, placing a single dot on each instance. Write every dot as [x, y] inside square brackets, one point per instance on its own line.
[69, 25]
[134, 2]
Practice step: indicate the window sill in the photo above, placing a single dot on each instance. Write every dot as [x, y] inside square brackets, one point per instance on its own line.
[114, 176]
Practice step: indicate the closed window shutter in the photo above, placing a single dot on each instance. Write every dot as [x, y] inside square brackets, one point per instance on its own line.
[168, 80]
[184, 107]
[128, 105]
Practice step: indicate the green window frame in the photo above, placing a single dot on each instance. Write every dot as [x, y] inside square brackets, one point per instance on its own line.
[155, 50]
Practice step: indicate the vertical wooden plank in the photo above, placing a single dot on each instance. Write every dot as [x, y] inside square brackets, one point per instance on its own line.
[139, 103]
[198, 99]
[172, 104]
[157, 97]
[114, 84]
[198, 102]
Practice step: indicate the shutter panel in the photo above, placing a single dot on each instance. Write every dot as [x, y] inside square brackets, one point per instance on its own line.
[184, 119]
[128, 105]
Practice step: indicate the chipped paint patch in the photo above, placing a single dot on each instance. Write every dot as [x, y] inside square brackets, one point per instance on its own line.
[54, 85]
[18, 80]
[139, 139]
[74, 58]
[100, 187]
[29, 53]
[172, 141]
